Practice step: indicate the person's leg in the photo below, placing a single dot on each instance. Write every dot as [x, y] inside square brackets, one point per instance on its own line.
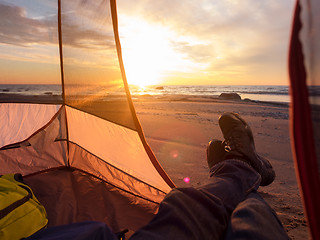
[202, 213]
[255, 219]
[239, 144]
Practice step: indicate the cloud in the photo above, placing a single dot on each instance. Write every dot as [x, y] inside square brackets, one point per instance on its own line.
[20, 30]
[234, 34]
[207, 16]
[16, 28]
[75, 36]
[200, 53]
[229, 35]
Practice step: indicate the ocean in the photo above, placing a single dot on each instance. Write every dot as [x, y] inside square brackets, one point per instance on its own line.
[256, 93]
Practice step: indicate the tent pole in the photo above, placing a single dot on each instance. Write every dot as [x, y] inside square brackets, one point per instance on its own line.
[62, 78]
[151, 155]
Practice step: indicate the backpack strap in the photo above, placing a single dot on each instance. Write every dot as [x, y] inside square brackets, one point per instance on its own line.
[4, 212]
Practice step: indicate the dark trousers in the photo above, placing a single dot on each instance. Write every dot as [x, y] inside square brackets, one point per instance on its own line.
[227, 208]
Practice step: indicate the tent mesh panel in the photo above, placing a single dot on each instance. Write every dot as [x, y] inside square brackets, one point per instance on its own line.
[92, 76]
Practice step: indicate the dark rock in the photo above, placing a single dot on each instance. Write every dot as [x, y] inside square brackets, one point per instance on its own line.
[160, 88]
[230, 96]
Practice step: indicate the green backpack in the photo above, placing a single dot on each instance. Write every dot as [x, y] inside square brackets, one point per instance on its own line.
[21, 214]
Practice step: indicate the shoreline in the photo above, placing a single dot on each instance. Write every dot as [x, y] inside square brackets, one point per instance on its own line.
[51, 98]
[201, 98]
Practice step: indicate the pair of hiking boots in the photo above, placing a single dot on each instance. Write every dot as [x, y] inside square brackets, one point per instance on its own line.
[238, 144]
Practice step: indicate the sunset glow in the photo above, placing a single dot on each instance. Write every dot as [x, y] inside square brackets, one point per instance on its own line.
[139, 48]
[191, 43]
[168, 42]
[148, 53]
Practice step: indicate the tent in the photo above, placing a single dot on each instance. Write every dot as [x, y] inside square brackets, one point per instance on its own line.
[78, 142]
[304, 60]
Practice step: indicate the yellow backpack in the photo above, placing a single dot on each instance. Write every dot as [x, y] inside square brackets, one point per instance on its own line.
[21, 214]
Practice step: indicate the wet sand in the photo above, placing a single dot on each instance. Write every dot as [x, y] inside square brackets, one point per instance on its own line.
[178, 130]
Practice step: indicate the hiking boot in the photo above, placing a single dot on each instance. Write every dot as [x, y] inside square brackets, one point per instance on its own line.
[215, 152]
[239, 144]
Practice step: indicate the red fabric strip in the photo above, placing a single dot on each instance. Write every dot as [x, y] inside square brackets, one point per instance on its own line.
[302, 130]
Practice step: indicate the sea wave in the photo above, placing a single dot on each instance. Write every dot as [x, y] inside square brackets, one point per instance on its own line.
[259, 93]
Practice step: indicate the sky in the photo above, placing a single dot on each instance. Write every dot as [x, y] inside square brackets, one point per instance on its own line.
[189, 42]
[208, 41]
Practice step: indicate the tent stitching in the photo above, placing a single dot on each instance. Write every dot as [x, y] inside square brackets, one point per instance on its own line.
[118, 168]
[100, 117]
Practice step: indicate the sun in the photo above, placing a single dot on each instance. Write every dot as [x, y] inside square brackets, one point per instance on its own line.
[147, 51]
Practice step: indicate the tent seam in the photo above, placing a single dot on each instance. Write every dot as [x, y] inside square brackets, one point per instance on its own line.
[70, 106]
[117, 168]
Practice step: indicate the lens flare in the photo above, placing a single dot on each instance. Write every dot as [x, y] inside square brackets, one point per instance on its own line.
[186, 180]
[174, 153]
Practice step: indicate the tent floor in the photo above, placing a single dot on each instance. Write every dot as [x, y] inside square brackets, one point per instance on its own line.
[70, 195]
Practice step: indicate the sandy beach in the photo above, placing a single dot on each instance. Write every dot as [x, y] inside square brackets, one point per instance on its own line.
[178, 130]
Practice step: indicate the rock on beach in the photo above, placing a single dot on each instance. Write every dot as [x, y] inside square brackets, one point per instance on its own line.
[230, 96]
